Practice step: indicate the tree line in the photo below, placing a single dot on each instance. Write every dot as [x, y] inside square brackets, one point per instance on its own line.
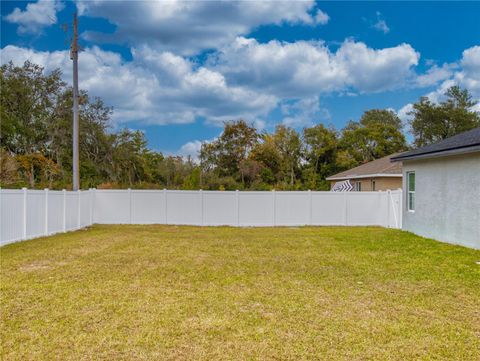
[36, 147]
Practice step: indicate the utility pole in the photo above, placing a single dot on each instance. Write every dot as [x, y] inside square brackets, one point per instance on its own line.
[74, 57]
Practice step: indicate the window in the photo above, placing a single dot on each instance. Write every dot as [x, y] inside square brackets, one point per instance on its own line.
[411, 191]
[358, 186]
[373, 185]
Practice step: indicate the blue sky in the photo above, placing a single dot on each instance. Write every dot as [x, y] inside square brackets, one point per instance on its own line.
[177, 70]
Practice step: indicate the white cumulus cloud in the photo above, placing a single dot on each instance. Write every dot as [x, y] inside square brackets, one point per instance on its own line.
[381, 24]
[309, 68]
[244, 80]
[304, 112]
[403, 113]
[188, 27]
[36, 16]
[464, 73]
[154, 87]
[191, 149]
[435, 74]
[321, 17]
[469, 76]
[374, 70]
[247, 79]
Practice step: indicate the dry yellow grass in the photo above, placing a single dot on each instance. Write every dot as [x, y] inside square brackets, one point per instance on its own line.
[189, 293]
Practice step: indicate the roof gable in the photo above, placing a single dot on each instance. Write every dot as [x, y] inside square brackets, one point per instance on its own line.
[379, 167]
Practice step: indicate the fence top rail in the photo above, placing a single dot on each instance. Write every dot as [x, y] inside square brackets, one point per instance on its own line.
[179, 191]
[20, 190]
[41, 191]
[36, 193]
[11, 191]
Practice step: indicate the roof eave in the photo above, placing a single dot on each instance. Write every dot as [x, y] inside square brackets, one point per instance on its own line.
[436, 154]
[363, 176]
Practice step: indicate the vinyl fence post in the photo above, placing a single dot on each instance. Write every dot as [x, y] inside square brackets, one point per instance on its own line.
[400, 208]
[345, 206]
[129, 206]
[202, 210]
[24, 225]
[166, 205]
[64, 210]
[309, 207]
[237, 207]
[94, 197]
[387, 194]
[393, 204]
[0, 212]
[79, 210]
[274, 208]
[46, 211]
[90, 221]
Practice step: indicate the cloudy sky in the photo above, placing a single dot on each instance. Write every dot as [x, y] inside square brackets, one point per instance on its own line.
[177, 69]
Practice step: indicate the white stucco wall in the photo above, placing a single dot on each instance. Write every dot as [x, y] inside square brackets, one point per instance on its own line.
[447, 199]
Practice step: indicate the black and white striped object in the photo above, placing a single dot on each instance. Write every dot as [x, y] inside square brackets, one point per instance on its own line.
[343, 186]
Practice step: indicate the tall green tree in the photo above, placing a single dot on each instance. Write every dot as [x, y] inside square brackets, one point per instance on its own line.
[289, 145]
[320, 145]
[432, 122]
[36, 133]
[225, 154]
[268, 155]
[377, 134]
[96, 141]
[27, 105]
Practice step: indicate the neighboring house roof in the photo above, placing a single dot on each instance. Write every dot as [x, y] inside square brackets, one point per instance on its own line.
[466, 142]
[382, 167]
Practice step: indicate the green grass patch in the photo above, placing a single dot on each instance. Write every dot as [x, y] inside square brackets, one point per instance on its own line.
[191, 293]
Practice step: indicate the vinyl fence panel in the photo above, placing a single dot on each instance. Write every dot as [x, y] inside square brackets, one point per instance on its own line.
[220, 208]
[85, 208]
[55, 212]
[366, 209]
[148, 206]
[256, 208]
[72, 211]
[184, 207]
[11, 215]
[35, 213]
[112, 206]
[292, 208]
[26, 214]
[31, 213]
[329, 208]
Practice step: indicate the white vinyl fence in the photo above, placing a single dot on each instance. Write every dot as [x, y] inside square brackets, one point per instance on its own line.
[27, 214]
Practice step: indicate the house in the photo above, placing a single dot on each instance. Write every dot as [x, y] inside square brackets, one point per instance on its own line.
[378, 175]
[442, 189]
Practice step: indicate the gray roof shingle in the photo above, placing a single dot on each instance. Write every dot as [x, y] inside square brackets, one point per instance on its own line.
[459, 143]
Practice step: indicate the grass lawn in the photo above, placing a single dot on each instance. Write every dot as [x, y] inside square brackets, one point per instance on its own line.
[166, 292]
